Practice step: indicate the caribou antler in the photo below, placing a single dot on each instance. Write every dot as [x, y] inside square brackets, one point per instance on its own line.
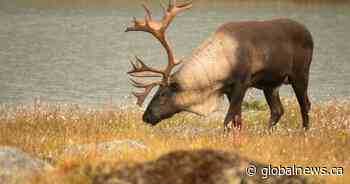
[141, 96]
[140, 67]
[157, 29]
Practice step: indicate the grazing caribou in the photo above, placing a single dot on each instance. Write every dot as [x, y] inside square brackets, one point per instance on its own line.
[239, 55]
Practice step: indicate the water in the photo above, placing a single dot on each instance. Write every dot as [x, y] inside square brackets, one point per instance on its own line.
[80, 54]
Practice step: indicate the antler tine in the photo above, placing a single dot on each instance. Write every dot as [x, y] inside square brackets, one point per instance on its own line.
[172, 3]
[185, 5]
[147, 68]
[138, 25]
[141, 96]
[146, 75]
[163, 6]
[140, 66]
[173, 10]
[134, 66]
[139, 84]
[148, 12]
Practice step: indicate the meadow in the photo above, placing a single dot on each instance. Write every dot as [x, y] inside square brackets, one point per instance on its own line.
[44, 130]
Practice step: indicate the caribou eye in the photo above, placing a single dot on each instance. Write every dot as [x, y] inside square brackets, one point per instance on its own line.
[174, 86]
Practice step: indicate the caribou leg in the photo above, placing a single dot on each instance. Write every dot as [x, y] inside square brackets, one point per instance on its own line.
[235, 109]
[274, 102]
[300, 82]
[300, 90]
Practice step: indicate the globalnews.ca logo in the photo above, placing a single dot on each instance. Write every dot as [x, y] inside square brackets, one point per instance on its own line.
[294, 171]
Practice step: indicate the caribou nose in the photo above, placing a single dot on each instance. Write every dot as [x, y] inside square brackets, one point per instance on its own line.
[148, 118]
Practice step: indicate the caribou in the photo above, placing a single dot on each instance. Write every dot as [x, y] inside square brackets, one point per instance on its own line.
[237, 56]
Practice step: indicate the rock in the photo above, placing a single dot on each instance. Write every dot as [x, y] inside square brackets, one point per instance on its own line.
[194, 167]
[16, 166]
[84, 150]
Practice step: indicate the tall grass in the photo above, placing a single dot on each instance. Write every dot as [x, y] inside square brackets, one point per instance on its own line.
[45, 130]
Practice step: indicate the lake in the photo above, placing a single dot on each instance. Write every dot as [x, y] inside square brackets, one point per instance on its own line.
[79, 53]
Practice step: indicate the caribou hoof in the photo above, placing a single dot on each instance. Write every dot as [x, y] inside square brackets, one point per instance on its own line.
[306, 128]
[227, 129]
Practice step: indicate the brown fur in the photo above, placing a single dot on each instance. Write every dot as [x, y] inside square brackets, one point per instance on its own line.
[240, 55]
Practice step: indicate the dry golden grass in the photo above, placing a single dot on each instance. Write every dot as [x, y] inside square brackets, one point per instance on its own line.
[45, 130]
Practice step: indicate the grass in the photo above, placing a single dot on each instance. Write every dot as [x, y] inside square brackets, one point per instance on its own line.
[45, 130]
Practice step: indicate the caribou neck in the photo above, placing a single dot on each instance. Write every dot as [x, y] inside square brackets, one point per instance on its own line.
[202, 75]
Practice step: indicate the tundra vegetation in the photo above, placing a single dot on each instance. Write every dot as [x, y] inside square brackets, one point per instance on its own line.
[44, 131]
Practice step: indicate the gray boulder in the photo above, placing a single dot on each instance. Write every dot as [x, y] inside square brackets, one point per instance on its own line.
[16, 166]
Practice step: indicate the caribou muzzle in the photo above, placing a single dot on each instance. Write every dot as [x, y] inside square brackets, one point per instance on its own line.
[150, 119]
